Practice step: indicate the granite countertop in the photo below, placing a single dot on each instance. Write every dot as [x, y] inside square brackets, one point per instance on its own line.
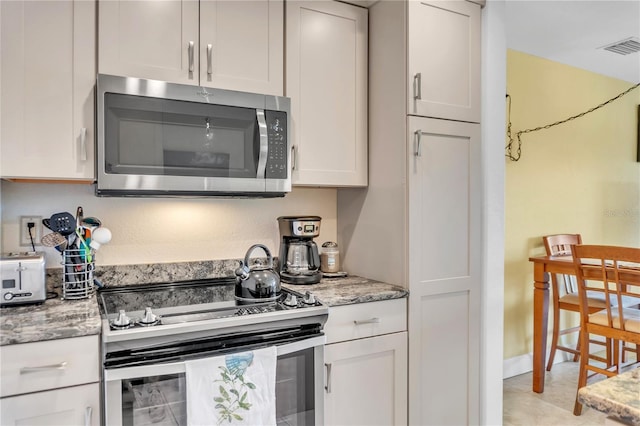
[58, 319]
[53, 319]
[349, 290]
[617, 396]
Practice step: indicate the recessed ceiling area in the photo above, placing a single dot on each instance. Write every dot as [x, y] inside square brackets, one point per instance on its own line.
[576, 32]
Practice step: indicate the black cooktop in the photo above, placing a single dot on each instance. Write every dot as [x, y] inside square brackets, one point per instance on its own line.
[188, 301]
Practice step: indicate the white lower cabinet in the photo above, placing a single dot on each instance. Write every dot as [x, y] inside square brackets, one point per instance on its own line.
[77, 405]
[54, 382]
[366, 378]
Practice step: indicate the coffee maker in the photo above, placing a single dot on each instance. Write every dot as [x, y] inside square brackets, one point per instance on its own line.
[299, 257]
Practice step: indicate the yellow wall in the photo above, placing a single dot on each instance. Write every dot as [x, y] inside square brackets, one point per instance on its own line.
[580, 177]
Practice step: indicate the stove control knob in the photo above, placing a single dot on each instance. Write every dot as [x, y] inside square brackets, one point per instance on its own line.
[291, 300]
[123, 320]
[149, 317]
[8, 296]
[309, 298]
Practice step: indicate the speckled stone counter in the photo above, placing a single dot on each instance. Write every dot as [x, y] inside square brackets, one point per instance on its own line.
[57, 319]
[350, 289]
[53, 319]
[618, 397]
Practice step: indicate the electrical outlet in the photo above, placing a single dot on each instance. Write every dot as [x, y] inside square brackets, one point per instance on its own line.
[36, 231]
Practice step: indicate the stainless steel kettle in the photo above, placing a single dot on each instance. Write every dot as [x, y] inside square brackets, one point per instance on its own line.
[257, 283]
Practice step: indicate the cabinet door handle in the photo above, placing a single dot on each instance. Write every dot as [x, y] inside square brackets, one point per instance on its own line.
[417, 151]
[209, 59]
[87, 416]
[27, 370]
[328, 385]
[83, 144]
[417, 86]
[191, 47]
[293, 157]
[374, 320]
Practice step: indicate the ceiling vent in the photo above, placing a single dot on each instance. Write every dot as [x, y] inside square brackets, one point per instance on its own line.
[624, 47]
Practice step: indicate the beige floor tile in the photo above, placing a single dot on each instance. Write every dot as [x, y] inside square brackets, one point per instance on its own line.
[553, 407]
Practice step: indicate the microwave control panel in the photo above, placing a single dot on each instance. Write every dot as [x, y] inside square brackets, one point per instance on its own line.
[277, 140]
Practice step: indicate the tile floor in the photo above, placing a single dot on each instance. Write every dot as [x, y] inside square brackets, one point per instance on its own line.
[522, 406]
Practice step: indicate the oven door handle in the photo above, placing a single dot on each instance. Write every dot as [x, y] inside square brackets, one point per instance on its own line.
[112, 374]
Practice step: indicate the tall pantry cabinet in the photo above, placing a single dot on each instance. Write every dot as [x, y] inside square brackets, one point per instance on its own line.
[418, 224]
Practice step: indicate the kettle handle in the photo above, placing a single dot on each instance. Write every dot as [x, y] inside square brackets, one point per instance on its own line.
[263, 247]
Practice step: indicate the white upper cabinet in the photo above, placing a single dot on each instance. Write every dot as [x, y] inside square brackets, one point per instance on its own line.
[47, 69]
[149, 39]
[242, 45]
[327, 84]
[234, 45]
[444, 60]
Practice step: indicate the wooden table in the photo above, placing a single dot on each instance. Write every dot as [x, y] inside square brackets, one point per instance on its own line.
[543, 266]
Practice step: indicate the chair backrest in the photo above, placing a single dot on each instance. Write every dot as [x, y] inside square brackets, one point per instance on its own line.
[560, 245]
[613, 272]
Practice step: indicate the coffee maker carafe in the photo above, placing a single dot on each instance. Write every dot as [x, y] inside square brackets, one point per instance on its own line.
[299, 256]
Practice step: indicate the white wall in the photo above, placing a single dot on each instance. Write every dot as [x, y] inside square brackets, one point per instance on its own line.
[156, 230]
[494, 82]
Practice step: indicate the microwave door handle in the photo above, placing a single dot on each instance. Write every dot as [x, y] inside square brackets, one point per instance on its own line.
[264, 144]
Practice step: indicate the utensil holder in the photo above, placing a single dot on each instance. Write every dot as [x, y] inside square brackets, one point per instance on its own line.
[78, 265]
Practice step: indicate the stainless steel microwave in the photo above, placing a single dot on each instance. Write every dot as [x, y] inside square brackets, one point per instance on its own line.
[163, 139]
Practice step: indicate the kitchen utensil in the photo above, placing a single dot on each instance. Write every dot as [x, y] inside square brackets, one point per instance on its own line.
[91, 222]
[53, 239]
[64, 223]
[100, 236]
[257, 283]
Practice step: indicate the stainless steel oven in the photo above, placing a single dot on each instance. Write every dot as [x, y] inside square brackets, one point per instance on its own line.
[163, 139]
[145, 366]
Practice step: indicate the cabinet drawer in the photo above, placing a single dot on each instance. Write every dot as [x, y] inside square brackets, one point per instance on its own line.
[365, 320]
[74, 406]
[37, 366]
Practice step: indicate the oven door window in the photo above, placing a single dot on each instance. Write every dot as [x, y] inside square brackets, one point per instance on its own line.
[153, 136]
[161, 400]
[295, 388]
[157, 400]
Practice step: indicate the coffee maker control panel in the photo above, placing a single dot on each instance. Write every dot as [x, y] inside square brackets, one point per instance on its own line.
[306, 229]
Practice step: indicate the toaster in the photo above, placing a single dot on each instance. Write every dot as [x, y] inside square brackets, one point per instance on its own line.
[23, 278]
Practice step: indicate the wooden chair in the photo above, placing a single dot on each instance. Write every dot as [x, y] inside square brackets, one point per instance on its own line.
[565, 296]
[614, 273]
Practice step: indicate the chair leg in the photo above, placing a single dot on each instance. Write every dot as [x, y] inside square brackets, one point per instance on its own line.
[554, 338]
[576, 357]
[582, 378]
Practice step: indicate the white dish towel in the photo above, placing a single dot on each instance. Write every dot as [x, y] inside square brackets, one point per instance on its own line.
[234, 389]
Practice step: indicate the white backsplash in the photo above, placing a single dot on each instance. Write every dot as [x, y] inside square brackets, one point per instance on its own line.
[158, 230]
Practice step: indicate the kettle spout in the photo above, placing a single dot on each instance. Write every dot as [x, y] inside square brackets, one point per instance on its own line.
[242, 271]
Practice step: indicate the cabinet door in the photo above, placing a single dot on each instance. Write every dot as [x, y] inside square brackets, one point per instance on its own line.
[74, 406]
[366, 381]
[327, 84]
[242, 45]
[444, 59]
[444, 271]
[47, 76]
[155, 39]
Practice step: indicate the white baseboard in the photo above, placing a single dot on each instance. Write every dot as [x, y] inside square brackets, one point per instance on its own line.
[524, 363]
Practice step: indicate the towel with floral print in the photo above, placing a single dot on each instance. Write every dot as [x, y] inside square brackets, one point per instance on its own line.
[234, 389]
